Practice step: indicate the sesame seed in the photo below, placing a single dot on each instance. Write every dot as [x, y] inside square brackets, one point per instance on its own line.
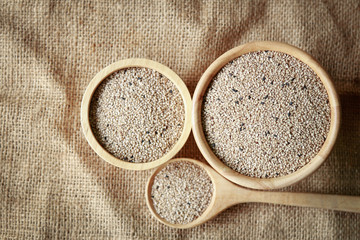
[120, 120]
[299, 131]
[187, 194]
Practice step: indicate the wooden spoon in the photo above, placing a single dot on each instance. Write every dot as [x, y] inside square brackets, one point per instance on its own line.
[226, 194]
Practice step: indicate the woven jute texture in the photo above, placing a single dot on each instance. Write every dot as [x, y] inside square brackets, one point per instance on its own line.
[52, 185]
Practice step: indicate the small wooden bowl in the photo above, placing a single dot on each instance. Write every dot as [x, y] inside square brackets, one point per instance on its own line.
[128, 63]
[259, 183]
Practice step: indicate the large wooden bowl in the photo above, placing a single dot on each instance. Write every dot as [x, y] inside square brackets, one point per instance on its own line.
[103, 74]
[260, 183]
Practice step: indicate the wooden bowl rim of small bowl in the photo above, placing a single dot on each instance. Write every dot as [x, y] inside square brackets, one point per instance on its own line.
[261, 183]
[129, 63]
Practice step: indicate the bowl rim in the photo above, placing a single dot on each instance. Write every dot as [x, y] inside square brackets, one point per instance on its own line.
[261, 183]
[123, 64]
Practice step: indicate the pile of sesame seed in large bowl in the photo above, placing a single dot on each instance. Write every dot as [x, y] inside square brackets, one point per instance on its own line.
[265, 115]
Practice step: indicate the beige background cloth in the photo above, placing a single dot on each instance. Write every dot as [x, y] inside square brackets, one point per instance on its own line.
[52, 185]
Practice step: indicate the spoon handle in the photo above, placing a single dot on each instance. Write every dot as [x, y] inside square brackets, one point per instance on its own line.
[326, 201]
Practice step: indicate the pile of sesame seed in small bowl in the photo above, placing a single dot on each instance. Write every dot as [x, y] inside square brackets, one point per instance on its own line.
[136, 114]
[264, 115]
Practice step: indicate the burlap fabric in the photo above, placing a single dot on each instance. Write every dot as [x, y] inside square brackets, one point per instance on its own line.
[54, 186]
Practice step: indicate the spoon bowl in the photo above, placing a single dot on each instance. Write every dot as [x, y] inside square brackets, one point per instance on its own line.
[226, 194]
